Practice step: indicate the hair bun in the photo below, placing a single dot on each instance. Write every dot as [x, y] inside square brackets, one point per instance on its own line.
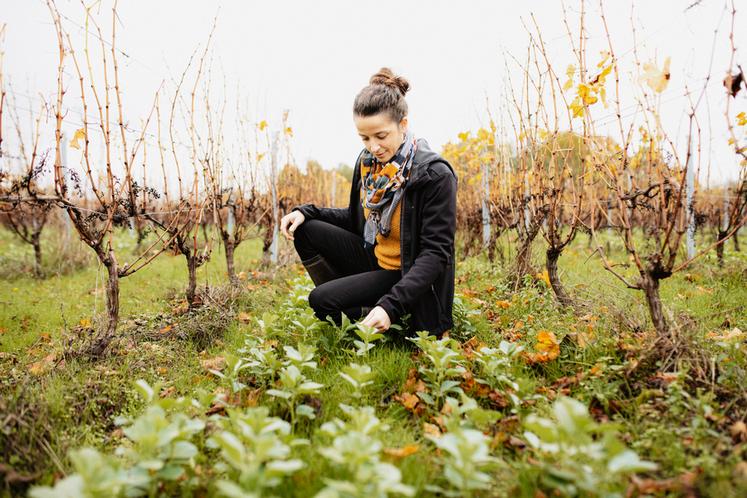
[385, 76]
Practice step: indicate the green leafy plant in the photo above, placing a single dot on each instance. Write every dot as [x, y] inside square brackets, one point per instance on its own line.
[294, 385]
[332, 337]
[579, 456]
[303, 357]
[465, 458]
[96, 476]
[496, 369]
[263, 363]
[368, 336]
[231, 374]
[159, 440]
[356, 449]
[255, 449]
[446, 365]
[358, 376]
[157, 456]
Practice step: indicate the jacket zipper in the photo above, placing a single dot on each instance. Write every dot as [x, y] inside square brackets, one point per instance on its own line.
[402, 232]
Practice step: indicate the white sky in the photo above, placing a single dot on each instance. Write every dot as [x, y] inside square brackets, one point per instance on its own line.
[313, 57]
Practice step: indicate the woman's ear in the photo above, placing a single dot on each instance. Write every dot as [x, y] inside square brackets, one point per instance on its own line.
[403, 124]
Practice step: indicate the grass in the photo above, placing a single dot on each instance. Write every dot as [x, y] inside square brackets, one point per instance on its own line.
[680, 424]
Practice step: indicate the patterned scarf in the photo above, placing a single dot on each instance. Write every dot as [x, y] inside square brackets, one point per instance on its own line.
[383, 187]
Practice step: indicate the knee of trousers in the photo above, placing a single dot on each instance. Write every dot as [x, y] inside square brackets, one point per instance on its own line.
[304, 234]
[322, 300]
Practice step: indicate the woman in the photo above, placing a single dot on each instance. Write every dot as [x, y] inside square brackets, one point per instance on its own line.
[391, 251]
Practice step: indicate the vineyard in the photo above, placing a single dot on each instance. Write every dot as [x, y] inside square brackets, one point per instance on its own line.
[156, 337]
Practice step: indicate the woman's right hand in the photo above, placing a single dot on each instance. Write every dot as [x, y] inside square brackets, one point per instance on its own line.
[290, 222]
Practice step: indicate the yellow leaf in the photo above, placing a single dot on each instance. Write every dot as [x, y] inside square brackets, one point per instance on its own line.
[289, 131]
[656, 78]
[741, 119]
[405, 451]
[605, 55]
[80, 134]
[262, 125]
[547, 346]
[577, 108]
[244, 317]
[586, 95]
[570, 71]
[544, 276]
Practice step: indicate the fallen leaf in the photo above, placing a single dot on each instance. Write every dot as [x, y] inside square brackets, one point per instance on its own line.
[403, 452]
[216, 363]
[431, 429]
[42, 366]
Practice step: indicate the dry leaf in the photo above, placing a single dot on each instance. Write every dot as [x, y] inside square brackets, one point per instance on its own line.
[42, 366]
[402, 452]
[216, 363]
[656, 78]
[431, 429]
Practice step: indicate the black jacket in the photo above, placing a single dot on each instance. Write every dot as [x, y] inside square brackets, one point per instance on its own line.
[427, 228]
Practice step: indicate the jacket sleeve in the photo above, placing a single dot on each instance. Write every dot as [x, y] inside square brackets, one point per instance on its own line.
[336, 216]
[436, 242]
[341, 217]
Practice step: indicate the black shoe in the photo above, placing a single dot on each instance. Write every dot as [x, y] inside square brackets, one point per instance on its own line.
[320, 270]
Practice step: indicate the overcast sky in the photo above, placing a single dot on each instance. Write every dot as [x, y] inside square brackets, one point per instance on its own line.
[311, 58]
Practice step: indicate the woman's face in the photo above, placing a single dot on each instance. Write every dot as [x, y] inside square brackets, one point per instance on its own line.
[381, 136]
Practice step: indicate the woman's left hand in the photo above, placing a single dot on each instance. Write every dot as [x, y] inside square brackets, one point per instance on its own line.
[377, 318]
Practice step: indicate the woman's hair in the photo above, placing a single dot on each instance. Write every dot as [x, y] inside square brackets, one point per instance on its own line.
[384, 93]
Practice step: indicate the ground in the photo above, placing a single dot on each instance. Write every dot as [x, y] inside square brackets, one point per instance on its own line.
[683, 414]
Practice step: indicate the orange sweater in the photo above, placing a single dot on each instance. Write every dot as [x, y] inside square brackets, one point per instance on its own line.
[387, 249]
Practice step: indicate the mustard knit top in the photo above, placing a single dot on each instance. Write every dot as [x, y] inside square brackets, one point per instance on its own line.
[387, 249]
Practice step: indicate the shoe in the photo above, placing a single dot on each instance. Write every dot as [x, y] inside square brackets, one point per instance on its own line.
[320, 270]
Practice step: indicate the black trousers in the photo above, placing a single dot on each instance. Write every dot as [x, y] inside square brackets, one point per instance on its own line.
[361, 282]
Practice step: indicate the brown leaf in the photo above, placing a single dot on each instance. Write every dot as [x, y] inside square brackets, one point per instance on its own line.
[42, 366]
[216, 363]
[733, 82]
[738, 431]
[408, 400]
[431, 429]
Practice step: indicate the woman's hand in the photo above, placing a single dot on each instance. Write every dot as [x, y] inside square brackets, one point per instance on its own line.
[378, 319]
[290, 222]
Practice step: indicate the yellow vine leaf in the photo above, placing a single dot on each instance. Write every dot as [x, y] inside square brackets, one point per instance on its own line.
[80, 134]
[656, 78]
[544, 276]
[585, 94]
[577, 108]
